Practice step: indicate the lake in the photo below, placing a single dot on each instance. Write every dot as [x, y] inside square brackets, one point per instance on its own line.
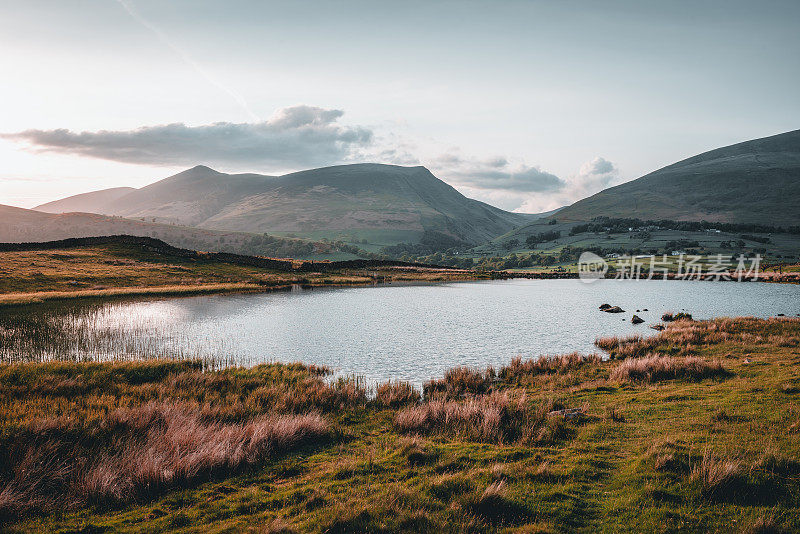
[410, 332]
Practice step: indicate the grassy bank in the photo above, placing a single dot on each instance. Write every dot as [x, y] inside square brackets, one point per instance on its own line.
[110, 269]
[693, 429]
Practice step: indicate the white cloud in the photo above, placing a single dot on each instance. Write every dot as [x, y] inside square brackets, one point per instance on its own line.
[592, 177]
[299, 136]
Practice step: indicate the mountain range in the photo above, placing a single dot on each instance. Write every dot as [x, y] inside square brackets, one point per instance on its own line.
[382, 204]
[376, 205]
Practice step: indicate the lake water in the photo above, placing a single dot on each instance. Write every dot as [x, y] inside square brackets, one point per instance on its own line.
[408, 332]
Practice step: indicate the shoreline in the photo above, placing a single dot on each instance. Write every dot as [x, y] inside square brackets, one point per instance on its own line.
[37, 297]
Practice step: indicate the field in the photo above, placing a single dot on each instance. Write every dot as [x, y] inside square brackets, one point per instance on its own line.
[124, 269]
[693, 429]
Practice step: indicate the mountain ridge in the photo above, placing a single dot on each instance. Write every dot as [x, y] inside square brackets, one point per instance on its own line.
[755, 181]
[377, 202]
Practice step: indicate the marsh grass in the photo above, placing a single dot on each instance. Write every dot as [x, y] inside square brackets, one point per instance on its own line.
[498, 417]
[499, 455]
[655, 367]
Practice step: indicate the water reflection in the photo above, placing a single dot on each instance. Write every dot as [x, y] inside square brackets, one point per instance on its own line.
[409, 332]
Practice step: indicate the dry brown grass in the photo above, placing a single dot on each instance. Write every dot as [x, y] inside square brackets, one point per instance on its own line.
[458, 383]
[628, 347]
[495, 417]
[655, 367]
[519, 371]
[686, 336]
[154, 447]
[717, 477]
[394, 394]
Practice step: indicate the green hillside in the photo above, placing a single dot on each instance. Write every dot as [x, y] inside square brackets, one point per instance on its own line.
[756, 181]
[23, 225]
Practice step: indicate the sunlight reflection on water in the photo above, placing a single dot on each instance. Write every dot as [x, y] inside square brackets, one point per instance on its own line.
[408, 332]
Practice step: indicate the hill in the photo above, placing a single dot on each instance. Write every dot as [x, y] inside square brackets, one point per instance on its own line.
[755, 181]
[85, 202]
[382, 204]
[23, 225]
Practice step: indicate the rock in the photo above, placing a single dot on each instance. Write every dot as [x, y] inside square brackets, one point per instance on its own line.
[781, 315]
[636, 319]
[658, 327]
[644, 309]
[604, 307]
[637, 311]
[614, 309]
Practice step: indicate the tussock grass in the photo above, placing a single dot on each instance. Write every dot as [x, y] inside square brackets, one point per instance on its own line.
[655, 367]
[717, 477]
[458, 383]
[519, 372]
[684, 337]
[628, 347]
[154, 447]
[394, 394]
[499, 417]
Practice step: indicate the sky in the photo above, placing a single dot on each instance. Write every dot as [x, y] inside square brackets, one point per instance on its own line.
[527, 105]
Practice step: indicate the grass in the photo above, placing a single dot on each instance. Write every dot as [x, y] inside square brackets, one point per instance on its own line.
[655, 368]
[565, 444]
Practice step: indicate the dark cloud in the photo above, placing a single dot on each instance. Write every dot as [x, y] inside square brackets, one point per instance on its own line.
[300, 136]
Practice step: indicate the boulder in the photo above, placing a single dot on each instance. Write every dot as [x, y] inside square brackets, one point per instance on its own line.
[614, 309]
[658, 327]
[604, 307]
[636, 319]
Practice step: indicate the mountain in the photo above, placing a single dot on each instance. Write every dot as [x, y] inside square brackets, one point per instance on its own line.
[24, 225]
[85, 202]
[382, 204]
[755, 181]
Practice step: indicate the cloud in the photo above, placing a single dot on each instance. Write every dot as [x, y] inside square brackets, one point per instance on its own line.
[592, 177]
[496, 174]
[597, 166]
[294, 137]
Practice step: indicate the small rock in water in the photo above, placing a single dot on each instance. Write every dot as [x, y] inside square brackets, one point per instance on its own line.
[614, 309]
[604, 307]
[658, 327]
[636, 319]
[644, 309]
